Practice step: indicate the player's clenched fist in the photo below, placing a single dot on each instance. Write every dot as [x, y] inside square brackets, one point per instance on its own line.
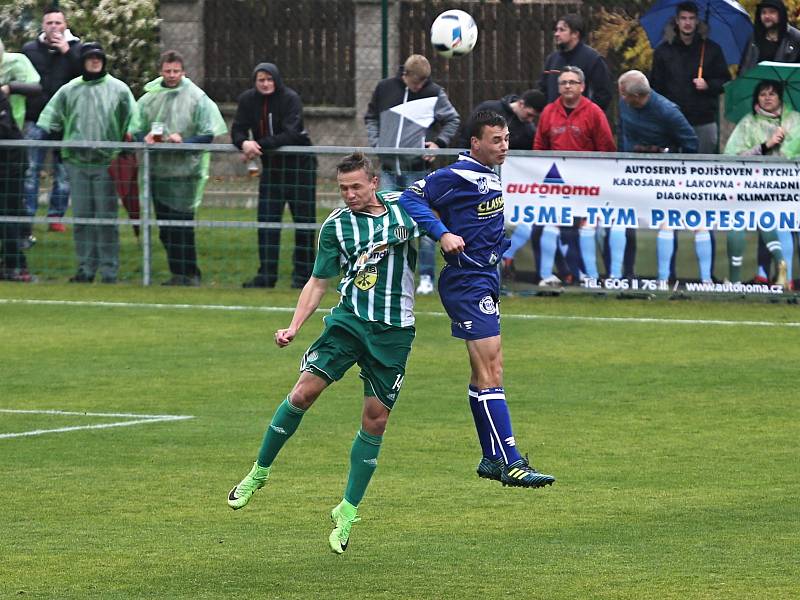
[283, 337]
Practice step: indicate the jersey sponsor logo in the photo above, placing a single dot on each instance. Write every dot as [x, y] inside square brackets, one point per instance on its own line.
[487, 305]
[493, 258]
[402, 233]
[416, 189]
[366, 278]
[372, 255]
[483, 185]
[489, 208]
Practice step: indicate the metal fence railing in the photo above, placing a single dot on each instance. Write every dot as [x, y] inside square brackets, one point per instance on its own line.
[232, 236]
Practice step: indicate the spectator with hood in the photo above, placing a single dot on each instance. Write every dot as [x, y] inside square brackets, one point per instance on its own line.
[93, 107]
[270, 115]
[773, 37]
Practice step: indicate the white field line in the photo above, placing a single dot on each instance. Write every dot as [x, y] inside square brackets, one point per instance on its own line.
[137, 419]
[523, 317]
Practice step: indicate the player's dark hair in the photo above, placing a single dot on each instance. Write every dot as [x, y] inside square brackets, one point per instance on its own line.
[356, 162]
[689, 7]
[767, 84]
[485, 118]
[171, 56]
[534, 99]
[574, 22]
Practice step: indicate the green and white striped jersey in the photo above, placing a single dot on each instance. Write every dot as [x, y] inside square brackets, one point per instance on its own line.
[377, 258]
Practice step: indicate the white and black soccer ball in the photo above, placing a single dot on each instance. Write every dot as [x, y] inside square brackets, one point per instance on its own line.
[454, 33]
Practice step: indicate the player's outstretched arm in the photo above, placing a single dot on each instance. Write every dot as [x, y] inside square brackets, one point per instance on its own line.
[307, 303]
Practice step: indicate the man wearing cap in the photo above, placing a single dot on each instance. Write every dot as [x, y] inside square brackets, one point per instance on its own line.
[95, 107]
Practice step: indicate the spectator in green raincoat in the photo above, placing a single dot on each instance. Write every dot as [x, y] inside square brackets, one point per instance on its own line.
[174, 110]
[18, 80]
[773, 128]
[96, 107]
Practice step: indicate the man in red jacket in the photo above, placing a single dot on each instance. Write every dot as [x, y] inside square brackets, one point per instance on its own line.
[571, 122]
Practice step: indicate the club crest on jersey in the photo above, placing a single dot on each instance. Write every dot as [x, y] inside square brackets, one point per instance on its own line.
[487, 305]
[483, 185]
[366, 278]
[402, 233]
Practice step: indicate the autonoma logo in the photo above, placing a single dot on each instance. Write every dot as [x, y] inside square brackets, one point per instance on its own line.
[553, 184]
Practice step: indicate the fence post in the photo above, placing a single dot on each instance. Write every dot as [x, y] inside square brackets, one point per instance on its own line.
[145, 216]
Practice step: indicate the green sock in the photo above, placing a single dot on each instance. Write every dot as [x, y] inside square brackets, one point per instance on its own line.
[773, 244]
[735, 255]
[363, 462]
[284, 423]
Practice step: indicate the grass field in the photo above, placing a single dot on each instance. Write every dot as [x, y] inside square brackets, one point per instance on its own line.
[672, 429]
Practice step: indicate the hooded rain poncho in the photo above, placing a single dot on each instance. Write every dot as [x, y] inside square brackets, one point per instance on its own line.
[97, 110]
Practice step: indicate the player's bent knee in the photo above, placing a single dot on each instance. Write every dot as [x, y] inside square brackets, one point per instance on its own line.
[374, 417]
[307, 390]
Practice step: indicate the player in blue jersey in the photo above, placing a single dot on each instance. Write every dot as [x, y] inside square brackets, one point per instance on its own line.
[468, 223]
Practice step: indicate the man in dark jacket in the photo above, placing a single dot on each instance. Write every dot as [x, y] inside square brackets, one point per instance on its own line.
[55, 54]
[521, 112]
[678, 74]
[273, 114]
[572, 51]
[690, 69]
[773, 37]
[411, 111]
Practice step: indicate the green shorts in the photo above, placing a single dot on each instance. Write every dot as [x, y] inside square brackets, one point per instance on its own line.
[380, 350]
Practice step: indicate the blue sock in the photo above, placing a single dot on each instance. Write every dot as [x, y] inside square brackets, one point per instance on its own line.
[702, 247]
[589, 251]
[547, 249]
[488, 446]
[616, 245]
[664, 249]
[520, 237]
[492, 401]
[787, 245]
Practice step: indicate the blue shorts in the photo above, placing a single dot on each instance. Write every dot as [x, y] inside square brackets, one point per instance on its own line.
[470, 297]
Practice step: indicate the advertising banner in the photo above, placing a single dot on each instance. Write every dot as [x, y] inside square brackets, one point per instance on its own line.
[722, 195]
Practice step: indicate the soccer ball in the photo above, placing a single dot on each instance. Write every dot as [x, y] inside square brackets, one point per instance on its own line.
[454, 33]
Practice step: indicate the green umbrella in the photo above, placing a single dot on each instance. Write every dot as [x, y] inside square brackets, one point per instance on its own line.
[739, 92]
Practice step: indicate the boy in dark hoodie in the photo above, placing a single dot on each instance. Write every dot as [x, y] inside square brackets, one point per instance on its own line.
[272, 114]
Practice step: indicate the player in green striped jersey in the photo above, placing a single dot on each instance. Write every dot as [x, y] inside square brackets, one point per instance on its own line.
[368, 242]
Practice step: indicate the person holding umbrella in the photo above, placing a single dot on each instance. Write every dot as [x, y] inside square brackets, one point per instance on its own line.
[690, 69]
[772, 128]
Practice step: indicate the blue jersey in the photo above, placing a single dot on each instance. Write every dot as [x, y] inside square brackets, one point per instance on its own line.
[468, 198]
